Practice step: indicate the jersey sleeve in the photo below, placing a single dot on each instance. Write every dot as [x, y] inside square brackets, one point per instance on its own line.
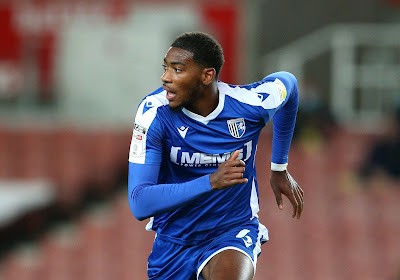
[284, 118]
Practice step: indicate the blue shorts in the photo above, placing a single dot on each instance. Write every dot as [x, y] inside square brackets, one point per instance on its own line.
[169, 260]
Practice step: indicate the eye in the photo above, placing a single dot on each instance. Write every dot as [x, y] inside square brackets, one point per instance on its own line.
[164, 67]
[178, 70]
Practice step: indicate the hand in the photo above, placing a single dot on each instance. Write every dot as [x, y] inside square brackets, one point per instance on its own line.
[229, 173]
[282, 182]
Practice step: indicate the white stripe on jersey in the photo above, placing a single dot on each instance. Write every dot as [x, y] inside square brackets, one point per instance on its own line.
[250, 96]
[149, 225]
[255, 207]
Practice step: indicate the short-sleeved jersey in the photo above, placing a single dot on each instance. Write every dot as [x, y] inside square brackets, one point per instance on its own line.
[189, 146]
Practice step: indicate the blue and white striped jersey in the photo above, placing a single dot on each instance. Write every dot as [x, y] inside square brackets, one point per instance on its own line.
[172, 154]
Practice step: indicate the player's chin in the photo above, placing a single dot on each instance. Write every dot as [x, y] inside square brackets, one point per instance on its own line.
[175, 106]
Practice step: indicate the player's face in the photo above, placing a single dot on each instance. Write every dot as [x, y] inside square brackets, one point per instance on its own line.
[181, 78]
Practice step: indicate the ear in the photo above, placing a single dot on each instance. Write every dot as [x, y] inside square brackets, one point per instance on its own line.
[208, 76]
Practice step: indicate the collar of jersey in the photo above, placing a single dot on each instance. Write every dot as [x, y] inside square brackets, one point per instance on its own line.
[212, 115]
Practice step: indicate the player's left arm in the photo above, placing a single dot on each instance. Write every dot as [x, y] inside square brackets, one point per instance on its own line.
[283, 127]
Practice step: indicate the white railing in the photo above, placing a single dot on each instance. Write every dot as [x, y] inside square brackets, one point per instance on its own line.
[364, 69]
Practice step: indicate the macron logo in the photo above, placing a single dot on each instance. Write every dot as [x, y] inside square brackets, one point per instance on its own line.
[182, 131]
[246, 239]
[147, 106]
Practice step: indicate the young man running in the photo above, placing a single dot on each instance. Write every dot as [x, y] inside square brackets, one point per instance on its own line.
[192, 163]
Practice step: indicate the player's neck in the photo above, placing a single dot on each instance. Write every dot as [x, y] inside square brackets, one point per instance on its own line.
[207, 101]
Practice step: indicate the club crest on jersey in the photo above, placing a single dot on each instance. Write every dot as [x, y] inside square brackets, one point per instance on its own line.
[237, 127]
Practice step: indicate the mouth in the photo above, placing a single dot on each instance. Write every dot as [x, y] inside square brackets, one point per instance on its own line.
[170, 95]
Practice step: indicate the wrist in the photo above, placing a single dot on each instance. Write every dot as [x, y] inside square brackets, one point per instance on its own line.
[212, 181]
[278, 166]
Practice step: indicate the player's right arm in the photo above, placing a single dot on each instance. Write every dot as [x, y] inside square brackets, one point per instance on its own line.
[147, 198]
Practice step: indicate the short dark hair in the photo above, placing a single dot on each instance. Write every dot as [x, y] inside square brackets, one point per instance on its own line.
[205, 49]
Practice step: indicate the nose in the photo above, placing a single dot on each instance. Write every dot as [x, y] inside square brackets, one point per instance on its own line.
[166, 77]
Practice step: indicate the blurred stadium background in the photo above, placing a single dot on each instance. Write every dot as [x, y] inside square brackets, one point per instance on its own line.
[72, 74]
